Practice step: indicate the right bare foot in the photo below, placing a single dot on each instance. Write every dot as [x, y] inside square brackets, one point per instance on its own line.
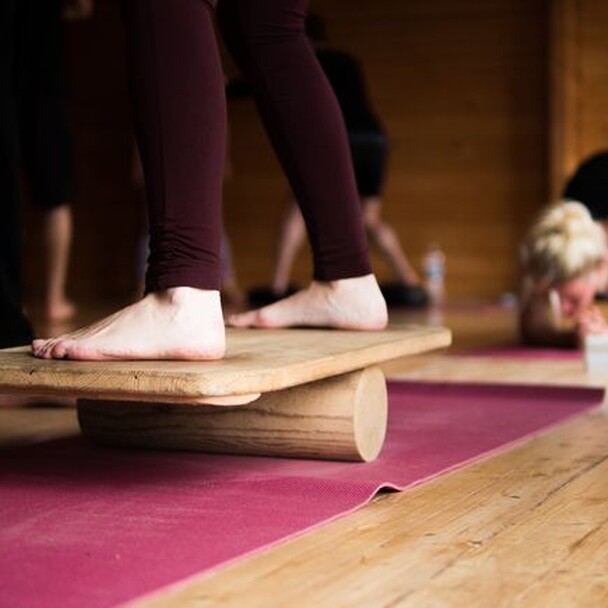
[180, 323]
[355, 303]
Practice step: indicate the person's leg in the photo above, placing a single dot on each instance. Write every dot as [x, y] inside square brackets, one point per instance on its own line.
[291, 238]
[303, 119]
[386, 240]
[180, 119]
[15, 329]
[370, 159]
[178, 95]
[46, 140]
[232, 296]
[57, 242]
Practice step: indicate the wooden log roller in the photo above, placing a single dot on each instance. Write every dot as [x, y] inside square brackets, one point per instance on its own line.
[338, 418]
[294, 393]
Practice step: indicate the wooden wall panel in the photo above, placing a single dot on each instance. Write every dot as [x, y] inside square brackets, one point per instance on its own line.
[579, 85]
[594, 76]
[564, 89]
[461, 87]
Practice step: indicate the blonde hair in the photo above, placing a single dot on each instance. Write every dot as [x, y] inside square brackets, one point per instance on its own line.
[564, 243]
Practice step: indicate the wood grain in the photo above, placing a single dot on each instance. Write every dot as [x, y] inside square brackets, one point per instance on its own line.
[565, 102]
[257, 361]
[495, 370]
[338, 418]
[578, 53]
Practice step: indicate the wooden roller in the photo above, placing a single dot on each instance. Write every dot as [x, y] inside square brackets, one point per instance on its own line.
[338, 418]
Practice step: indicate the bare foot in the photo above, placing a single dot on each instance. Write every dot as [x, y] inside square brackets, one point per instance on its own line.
[179, 323]
[61, 310]
[345, 304]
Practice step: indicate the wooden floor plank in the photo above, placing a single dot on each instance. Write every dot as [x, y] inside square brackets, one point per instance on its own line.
[548, 534]
[440, 368]
[580, 579]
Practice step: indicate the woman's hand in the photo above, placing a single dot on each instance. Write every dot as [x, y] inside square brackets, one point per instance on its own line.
[591, 322]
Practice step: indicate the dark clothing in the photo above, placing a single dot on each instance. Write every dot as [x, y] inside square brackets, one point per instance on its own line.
[14, 327]
[589, 185]
[178, 92]
[347, 81]
[34, 134]
[369, 153]
[46, 140]
[368, 141]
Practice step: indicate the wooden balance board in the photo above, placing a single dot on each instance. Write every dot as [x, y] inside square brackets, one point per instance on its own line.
[305, 393]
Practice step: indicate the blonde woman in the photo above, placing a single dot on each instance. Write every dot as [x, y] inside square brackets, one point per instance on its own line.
[565, 264]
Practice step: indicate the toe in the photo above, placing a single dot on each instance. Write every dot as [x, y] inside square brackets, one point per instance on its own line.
[37, 347]
[60, 350]
[44, 350]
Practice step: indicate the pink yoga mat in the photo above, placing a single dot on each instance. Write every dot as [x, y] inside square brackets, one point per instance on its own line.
[88, 527]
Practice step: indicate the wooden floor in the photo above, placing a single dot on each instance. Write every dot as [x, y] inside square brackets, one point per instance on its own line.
[527, 528]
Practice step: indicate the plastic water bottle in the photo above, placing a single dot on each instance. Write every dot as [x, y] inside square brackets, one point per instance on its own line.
[434, 274]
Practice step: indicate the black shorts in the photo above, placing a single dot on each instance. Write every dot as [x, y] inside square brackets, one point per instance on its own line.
[369, 152]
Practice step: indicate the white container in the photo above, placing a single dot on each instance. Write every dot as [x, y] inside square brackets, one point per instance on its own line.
[596, 353]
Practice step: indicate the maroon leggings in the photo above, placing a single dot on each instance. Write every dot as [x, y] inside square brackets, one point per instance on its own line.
[177, 89]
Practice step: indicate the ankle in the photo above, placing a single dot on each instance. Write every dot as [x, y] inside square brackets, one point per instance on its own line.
[353, 283]
[182, 296]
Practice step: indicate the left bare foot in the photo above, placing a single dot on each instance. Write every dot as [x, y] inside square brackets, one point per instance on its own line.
[355, 303]
[180, 323]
